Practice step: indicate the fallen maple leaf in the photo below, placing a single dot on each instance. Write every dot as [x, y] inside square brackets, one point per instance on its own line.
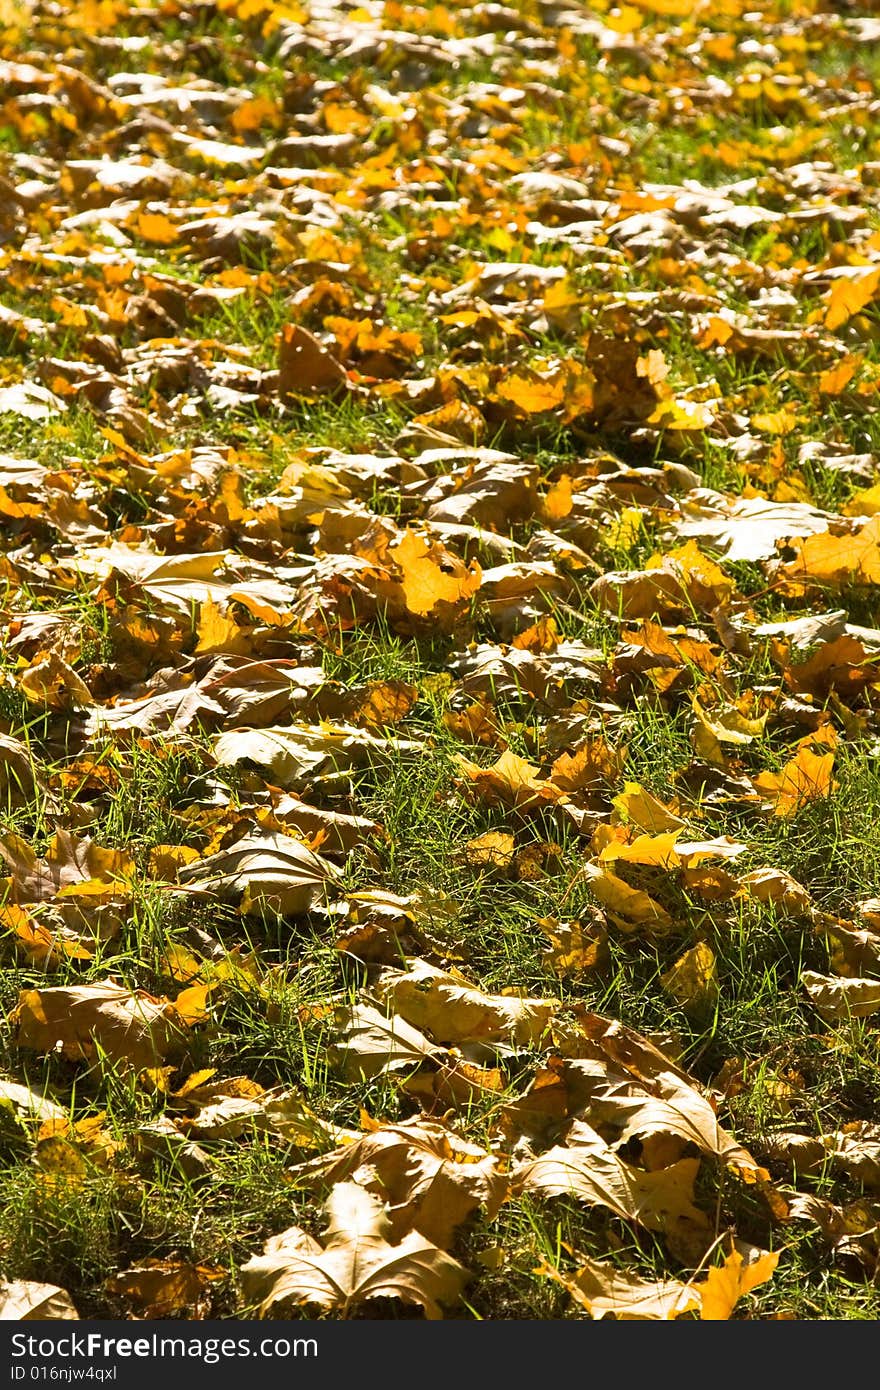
[432, 583]
[356, 1263]
[603, 1291]
[640, 807]
[838, 559]
[692, 981]
[430, 1176]
[305, 366]
[510, 780]
[263, 872]
[374, 1043]
[22, 1300]
[131, 1027]
[589, 1170]
[494, 850]
[452, 1010]
[162, 1288]
[848, 296]
[837, 998]
[776, 886]
[806, 777]
[629, 908]
[575, 946]
[726, 1284]
[295, 756]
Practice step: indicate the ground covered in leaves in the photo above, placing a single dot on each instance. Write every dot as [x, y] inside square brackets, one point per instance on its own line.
[439, 677]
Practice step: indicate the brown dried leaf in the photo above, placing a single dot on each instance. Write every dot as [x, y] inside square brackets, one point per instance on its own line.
[590, 1170]
[306, 367]
[454, 1011]
[164, 1288]
[838, 999]
[131, 1027]
[431, 1178]
[356, 1263]
[602, 1290]
[22, 1300]
[373, 1043]
[265, 872]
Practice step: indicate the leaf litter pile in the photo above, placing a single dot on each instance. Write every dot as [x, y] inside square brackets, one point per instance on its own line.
[439, 676]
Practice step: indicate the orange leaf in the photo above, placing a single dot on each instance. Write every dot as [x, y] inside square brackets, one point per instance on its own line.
[726, 1284]
[532, 394]
[849, 296]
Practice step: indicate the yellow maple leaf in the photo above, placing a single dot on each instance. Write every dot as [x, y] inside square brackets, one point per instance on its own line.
[628, 907]
[639, 807]
[726, 1284]
[692, 981]
[558, 500]
[847, 297]
[852, 559]
[681, 414]
[532, 394]
[156, 228]
[511, 780]
[218, 631]
[655, 850]
[806, 777]
[775, 422]
[835, 379]
[424, 582]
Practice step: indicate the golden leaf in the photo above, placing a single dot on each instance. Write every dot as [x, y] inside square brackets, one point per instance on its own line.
[606, 1291]
[806, 777]
[494, 850]
[532, 394]
[849, 296]
[575, 947]
[726, 1284]
[692, 980]
[628, 907]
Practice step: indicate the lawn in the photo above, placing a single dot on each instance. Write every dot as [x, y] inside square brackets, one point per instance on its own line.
[439, 660]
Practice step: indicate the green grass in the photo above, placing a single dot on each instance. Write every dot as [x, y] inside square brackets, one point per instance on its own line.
[761, 1049]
